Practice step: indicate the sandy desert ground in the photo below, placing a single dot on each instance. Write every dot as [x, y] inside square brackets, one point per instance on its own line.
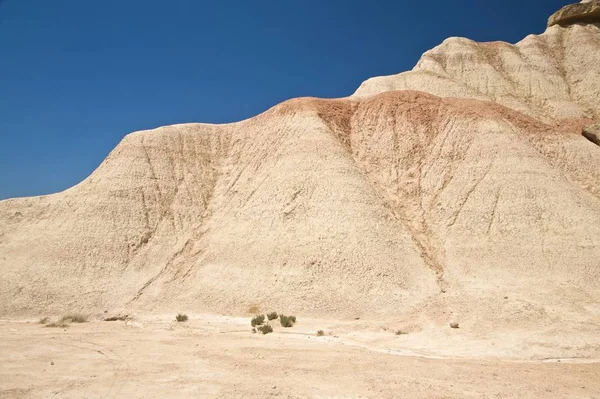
[219, 357]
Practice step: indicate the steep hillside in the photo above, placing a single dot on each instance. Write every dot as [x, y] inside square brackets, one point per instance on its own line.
[478, 202]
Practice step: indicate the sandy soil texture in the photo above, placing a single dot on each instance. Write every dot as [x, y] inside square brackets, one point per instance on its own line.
[219, 357]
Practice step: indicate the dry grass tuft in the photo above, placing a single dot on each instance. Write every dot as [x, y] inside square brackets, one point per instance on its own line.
[57, 324]
[272, 315]
[117, 318]
[181, 318]
[287, 321]
[265, 329]
[257, 320]
[74, 318]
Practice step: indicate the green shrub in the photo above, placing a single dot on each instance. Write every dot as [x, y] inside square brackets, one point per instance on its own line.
[265, 329]
[272, 315]
[74, 318]
[320, 333]
[257, 320]
[287, 321]
[181, 317]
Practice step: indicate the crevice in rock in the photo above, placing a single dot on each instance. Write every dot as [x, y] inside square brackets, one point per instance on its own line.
[213, 166]
[592, 133]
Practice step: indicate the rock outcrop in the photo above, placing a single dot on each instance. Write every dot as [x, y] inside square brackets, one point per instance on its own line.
[552, 77]
[585, 12]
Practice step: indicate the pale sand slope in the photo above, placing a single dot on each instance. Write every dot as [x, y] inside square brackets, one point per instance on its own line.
[401, 206]
[329, 207]
[218, 357]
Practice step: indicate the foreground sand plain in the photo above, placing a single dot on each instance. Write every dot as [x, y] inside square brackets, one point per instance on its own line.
[219, 357]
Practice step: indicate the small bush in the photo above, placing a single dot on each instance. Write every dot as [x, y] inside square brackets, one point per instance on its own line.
[253, 330]
[320, 333]
[272, 315]
[400, 332]
[287, 321]
[253, 309]
[181, 318]
[265, 329]
[43, 320]
[57, 324]
[257, 320]
[117, 318]
[74, 318]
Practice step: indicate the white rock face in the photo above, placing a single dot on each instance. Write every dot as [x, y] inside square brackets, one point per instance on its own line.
[553, 76]
[399, 204]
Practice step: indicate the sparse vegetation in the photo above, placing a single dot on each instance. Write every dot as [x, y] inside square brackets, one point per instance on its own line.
[57, 324]
[257, 320]
[253, 309]
[265, 329]
[74, 318]
[181, 318]
[117, 318]
[272, 315]
[43, 320]
[320, 333]
[253, 330]
[287, 321]
[454, 325]
[400, 332]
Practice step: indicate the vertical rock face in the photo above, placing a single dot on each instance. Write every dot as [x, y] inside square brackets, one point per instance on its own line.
[390, 203]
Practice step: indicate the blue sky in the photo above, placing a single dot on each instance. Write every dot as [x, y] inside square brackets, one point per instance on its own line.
[77, 75]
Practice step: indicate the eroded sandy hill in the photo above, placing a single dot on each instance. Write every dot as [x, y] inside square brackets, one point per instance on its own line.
[552, 76]
[479, 202]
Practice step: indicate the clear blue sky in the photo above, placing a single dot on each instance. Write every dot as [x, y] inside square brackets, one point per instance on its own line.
[77, 75]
